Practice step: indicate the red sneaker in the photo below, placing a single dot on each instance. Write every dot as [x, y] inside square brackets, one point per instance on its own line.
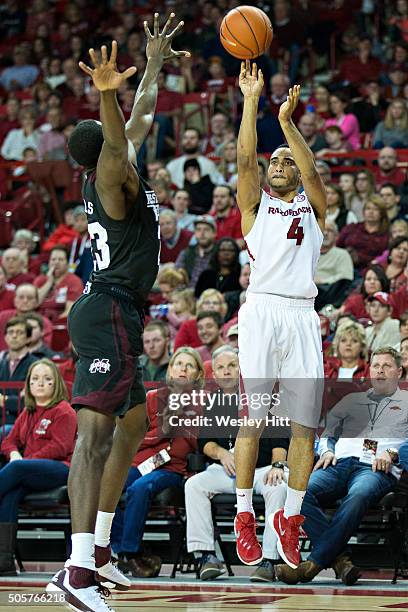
[249, 550]
[287, 532]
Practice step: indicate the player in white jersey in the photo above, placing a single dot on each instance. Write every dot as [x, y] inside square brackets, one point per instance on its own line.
[279, 330]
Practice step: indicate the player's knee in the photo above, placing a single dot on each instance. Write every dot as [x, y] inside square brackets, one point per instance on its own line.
[93, 447]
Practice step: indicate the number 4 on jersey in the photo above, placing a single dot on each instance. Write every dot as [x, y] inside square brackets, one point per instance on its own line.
[296, 231]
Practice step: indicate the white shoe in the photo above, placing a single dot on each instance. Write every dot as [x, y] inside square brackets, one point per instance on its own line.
[111, 577]
[89, 599]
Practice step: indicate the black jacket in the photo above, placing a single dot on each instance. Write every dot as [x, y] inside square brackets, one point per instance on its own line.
[14, 404]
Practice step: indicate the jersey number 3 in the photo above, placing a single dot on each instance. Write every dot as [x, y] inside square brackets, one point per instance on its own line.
[100, 247]
[296, 231]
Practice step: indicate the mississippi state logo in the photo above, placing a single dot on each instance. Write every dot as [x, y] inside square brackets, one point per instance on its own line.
[100, 365]
[42, 427]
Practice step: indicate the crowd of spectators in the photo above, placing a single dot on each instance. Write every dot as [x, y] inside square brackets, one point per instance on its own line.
[357, 100]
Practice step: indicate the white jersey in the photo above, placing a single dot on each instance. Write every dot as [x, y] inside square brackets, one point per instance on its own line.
[284, 247]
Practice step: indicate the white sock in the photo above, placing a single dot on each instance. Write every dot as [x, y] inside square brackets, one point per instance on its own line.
[244, 500]
[83, 550]
[103, 528]
[293, 504]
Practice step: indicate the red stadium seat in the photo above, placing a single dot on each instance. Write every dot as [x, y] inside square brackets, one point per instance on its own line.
[60, 338]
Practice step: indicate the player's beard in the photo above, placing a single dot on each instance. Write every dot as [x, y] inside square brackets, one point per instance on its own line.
[282, 187]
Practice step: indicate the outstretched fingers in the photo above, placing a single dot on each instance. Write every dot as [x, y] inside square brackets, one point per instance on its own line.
[147, 31]
[94, 58]
[114, 52]
[167, 25]
[176, 29]
[85, 68]
[129, 72]
[104, 54]
[156, 25]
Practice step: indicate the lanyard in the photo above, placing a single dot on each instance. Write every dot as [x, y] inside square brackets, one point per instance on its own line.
[373, 417]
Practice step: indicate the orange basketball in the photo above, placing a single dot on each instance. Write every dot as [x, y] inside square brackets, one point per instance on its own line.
[246, 32]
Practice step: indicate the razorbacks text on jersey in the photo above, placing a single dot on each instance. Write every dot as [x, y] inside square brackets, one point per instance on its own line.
[284, 247]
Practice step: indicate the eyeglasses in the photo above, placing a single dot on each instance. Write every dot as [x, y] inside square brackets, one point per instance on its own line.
[15, 332]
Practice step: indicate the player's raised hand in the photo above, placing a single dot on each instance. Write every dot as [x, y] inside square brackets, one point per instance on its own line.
[104, 72]
[159, 43]
[250, 80]
[288, 107]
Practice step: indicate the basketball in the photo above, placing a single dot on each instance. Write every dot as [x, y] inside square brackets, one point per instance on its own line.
[246, 32]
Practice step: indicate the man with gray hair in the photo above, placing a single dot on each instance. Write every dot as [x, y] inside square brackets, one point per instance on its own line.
[335, 270]
[323, 169]
[25, 301]
[217, 443]
[13, 262]
[173, 239]
[307, 126]
[359, 463]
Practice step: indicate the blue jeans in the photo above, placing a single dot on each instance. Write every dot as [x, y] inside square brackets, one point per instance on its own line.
[358, 487]
[24, 476]
[128, 525]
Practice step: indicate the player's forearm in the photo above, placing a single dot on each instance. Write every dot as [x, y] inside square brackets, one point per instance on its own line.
[301, 152]
[113, 122]
[145, 98]
[247, 138]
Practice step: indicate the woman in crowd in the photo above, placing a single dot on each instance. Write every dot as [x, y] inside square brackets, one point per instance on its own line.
[170, 279]
[347, 122]
[403, 328]
[351, 200]
[393, 131]
[349, 360]
[396, 263]
[41, 91]
[365, 240]
[185, 373]
[182, 308]
[18, 140]
[187, 335]
[336, 210]
[38, 448]
[364, 184]
[320, 100]
[223, 270]
[374, 280]
[404, 358]
[227, 166]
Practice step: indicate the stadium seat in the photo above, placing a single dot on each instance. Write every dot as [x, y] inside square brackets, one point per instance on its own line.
[60, 338]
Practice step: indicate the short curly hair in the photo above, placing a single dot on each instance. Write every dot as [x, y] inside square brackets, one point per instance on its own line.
[353, 329]
[85, 143]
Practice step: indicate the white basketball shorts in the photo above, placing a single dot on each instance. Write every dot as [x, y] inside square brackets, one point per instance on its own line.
[279, 339]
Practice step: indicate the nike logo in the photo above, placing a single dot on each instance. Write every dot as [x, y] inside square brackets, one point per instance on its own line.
[241, 494]
[282, 531]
